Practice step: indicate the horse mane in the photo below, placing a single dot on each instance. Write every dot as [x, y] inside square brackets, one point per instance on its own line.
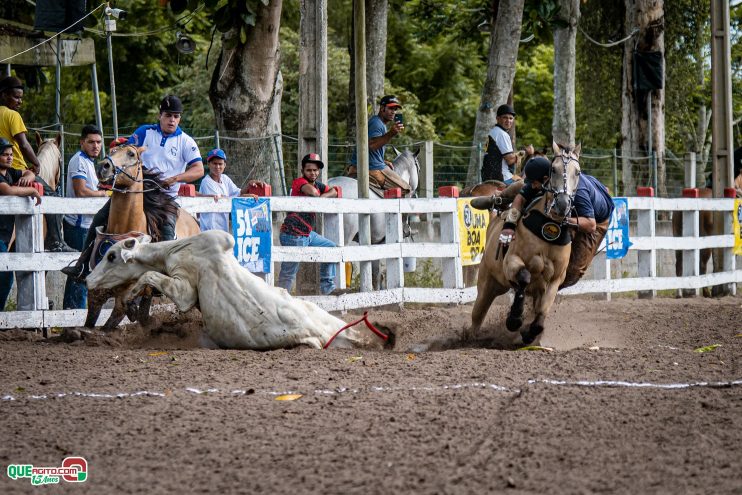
[158, 205]
[49, 170]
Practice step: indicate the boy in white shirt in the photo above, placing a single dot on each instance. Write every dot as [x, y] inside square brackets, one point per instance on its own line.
[82, 182]
[218, 185]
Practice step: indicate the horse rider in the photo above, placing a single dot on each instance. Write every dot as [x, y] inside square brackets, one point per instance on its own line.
[379, 175]
[591, 213]
[14, 130]
[172, 153]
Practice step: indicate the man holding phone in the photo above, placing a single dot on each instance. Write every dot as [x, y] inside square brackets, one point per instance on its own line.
[380, 173]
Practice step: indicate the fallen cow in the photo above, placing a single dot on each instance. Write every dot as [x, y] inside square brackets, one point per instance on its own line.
[240, 310]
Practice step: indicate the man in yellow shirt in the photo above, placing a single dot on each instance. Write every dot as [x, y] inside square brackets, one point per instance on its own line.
[14, 130]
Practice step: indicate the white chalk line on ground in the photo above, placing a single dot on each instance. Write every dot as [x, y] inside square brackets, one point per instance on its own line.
[428, 388]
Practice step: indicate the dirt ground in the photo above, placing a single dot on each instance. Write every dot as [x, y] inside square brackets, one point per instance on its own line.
[623, 404]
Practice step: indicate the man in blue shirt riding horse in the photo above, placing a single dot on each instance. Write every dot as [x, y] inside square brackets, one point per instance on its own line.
[591, 213]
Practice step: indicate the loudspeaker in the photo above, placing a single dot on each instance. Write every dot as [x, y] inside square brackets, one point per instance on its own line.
[648, 73]
[184, 43]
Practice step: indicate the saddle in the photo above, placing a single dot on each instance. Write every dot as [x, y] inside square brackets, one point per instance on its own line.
[104, 241]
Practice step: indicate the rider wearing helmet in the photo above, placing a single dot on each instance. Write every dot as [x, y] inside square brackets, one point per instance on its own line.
[591, 213]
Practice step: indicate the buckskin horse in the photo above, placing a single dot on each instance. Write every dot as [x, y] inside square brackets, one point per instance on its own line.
[138, 205]
[536, 261]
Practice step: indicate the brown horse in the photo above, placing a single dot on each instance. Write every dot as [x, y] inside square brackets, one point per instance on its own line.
[134, 209]
[531, 264]
[706, 228]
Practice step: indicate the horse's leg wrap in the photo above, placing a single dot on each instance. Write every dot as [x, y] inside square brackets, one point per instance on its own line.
[515, 317]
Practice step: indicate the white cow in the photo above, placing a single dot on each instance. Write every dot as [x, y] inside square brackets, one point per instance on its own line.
[240, 310]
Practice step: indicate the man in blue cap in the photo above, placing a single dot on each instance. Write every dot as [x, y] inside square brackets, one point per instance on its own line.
[218, 185]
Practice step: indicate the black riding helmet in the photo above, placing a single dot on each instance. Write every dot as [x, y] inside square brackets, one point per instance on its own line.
[537, 168]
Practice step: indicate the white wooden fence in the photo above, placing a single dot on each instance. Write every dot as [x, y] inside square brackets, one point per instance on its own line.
[30, 262]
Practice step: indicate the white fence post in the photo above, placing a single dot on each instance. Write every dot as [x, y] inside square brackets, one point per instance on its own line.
[425, 185]
[646, 228]
[29, 238]
[334, 232]
[691, 228]
[452, 272]
[394, 266]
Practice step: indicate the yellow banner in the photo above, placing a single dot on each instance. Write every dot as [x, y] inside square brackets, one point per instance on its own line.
[738, 227]
[472, 232]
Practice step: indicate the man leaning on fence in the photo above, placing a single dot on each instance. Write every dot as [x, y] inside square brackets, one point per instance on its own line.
[13, 182]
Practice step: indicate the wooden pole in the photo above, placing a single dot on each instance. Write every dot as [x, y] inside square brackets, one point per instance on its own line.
[364, 221]
[721, 126]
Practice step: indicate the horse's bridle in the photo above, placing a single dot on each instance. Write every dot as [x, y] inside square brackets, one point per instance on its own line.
[122, 171]
[549, 205]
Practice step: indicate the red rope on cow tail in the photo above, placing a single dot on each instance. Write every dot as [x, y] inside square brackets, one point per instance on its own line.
[364, 319]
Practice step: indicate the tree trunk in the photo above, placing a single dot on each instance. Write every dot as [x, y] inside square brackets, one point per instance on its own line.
[503, 54]
[648, 17]
[376, 37]
[245, 91]
[565, 57]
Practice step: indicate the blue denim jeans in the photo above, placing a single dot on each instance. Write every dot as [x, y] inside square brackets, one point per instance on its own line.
[75, 293]
[6, 280]
[289, 268]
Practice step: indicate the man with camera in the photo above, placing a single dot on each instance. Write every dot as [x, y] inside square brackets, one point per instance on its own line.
[380, 172]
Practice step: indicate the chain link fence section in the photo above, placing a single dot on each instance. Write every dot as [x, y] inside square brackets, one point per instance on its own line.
[275, 159]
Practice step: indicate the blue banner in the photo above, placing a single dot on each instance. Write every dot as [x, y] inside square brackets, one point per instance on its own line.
[617, 237]
[252, 231]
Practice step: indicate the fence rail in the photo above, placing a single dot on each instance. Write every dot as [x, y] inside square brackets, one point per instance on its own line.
[30, 262]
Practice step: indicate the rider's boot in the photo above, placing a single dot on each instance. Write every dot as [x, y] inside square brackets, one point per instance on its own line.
[80, 270]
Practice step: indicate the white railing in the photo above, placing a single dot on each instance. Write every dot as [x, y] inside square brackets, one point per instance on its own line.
[30, 262]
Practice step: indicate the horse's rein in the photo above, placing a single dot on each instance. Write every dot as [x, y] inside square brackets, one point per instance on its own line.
[122, 170]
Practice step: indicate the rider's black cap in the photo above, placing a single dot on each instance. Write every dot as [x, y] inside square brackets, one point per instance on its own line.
[505, 109]
[4, 143]
[537, 168]
[172, 104]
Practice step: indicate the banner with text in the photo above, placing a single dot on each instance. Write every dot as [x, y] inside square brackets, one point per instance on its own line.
[617, 238]
[738, 227]
[472, 232]
[252, 231]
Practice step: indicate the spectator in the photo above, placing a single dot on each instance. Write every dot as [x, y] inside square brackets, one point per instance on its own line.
[298, 228]
[380, 173]
[218, 185]
[82, 182]
[499, 158]
[13, 182]
[14, 130]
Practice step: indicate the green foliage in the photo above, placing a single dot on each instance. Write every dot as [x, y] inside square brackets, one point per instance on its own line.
[533, 95]
[598, 75]
[426, 275]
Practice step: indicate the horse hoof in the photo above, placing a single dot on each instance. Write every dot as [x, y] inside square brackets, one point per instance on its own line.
[531, 334]
[513, 323]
